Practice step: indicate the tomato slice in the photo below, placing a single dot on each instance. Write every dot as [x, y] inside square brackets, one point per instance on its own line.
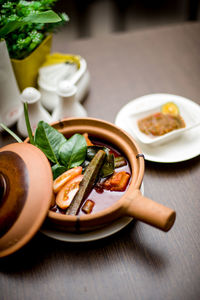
[67, 192]
[65, 177]
[89, 143]
[117, 182]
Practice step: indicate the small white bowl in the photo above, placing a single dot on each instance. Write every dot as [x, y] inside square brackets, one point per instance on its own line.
[191, 119]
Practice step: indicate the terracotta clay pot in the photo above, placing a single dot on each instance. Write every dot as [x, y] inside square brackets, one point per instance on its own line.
[25, 194]
[132, 203]
[26, 189]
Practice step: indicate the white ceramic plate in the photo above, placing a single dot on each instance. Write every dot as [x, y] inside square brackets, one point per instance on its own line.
[183, 148]
[92, 235]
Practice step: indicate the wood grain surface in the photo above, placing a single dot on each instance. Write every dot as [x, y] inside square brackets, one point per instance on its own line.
[139, 262]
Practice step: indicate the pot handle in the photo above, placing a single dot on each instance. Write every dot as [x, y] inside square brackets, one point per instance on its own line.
[149, 211]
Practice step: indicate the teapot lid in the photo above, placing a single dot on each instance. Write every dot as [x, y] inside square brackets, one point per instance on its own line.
[25, 194]
[66, 88]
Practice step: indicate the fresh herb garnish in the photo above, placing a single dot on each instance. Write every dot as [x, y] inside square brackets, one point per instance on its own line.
[62, 153]
[92, 151]
[108, 166]
[73, 152]
[49, 140]
[57, 170]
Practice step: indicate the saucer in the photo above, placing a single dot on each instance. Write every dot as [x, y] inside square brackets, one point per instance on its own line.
[185, 147]
[88, 236]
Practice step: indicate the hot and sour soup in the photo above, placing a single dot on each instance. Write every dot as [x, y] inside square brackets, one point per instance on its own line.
[106, 190]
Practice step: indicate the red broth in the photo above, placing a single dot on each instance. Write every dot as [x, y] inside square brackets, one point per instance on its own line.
[105, 198]
[101, 197]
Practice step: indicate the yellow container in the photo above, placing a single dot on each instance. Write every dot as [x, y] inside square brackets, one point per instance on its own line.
[26, 70]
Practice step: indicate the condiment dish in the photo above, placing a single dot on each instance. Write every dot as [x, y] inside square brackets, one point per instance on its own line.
[191, 119]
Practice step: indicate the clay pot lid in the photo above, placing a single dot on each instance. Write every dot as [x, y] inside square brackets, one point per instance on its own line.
[25, 194]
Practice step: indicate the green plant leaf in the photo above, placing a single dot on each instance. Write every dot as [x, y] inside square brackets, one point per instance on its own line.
[9, 27]
[41, 17]
[48, 16]
[11, 133]
[92, 150]
[49, 140]
[73, 152]
[57, 170]
[108, 166]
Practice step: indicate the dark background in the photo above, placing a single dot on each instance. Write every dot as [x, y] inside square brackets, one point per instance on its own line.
[92, 18]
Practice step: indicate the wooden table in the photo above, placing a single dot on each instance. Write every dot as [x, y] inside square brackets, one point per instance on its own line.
[139, 262]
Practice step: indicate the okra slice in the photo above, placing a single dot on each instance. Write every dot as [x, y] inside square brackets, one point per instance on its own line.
[87, 182]
[88, 206]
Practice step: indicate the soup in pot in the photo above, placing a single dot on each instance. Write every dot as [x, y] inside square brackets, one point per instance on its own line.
[93, 190]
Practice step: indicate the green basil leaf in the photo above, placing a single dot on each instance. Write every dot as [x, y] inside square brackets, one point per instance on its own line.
[92, 150]
[108, 166]
[73, 152]
[57, 170]
[49, 140]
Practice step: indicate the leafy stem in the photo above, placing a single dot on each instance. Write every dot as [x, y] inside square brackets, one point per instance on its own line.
[11, 133]
[25, 24]
[28, 125]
